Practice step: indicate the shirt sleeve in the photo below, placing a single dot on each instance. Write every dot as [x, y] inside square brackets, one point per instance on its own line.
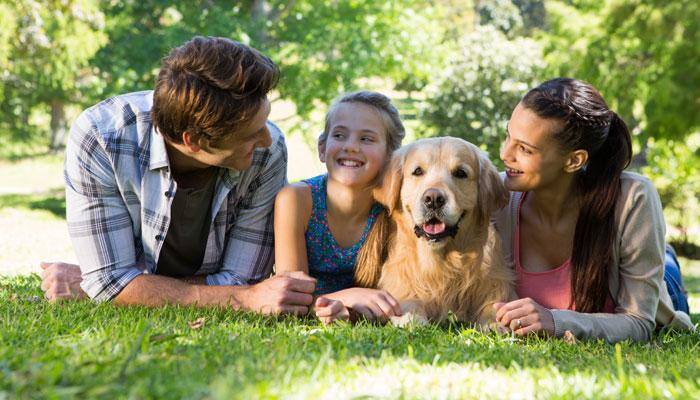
[249, 253]
[641, 269]
[99, 224]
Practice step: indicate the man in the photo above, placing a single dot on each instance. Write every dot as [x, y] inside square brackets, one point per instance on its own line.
[170, 193]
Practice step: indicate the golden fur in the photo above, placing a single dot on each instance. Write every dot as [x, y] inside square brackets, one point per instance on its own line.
[463, 274]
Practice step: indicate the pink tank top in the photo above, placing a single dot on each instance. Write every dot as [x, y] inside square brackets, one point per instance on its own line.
[551, 289]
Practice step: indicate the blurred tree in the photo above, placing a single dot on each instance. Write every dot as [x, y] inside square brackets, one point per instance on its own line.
[675, 170]
[322, 48]
[45, 48]
[486, 76]
[642, 55]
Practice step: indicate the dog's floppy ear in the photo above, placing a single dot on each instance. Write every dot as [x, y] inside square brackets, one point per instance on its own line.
[493, 195]
[388, 189]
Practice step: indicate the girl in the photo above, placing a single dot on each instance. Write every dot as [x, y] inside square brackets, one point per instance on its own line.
[585, 238]
[322, 222]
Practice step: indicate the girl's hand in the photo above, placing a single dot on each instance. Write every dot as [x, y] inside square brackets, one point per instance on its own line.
[373, 304]
[329, 310]
[524, 316]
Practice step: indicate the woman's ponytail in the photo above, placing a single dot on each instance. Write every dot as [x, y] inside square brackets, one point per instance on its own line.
[598, 187]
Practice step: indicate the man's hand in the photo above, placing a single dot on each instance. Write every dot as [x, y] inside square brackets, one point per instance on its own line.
[329, 310]
[289, 293]
[373, 304]
[61, 281]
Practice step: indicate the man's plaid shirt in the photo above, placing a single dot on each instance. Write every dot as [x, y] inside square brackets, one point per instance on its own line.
[118, 195]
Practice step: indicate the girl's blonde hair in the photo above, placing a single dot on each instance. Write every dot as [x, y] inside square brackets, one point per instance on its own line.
[387, 112]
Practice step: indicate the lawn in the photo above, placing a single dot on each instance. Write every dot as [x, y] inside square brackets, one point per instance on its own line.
[85, 350]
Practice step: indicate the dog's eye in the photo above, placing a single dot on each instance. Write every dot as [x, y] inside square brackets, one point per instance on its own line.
[459, 173]
[417, 172]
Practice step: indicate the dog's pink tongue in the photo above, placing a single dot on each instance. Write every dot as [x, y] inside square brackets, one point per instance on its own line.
[434, 229]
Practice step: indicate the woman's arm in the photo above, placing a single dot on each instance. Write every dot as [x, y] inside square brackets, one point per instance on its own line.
[637, 270]
[638, 267]
[293, 207]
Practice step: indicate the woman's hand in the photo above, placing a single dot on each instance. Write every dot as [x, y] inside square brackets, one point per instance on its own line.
[373, 304]
[524, 316]
[329, 310]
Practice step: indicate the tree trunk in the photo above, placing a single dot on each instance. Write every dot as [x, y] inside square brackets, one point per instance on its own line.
[639, 160]
[259, 11]
[58, 125]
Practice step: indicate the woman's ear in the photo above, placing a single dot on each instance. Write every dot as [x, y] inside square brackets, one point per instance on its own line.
[576, 160]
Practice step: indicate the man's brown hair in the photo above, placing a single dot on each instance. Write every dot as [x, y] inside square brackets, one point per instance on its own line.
[209, 87]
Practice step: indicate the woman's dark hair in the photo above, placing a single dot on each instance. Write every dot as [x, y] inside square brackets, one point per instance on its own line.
[588, 124]
[210, 86]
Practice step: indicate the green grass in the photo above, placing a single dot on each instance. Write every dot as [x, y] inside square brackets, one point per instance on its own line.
[81, 350]
[53, 201]
[86, 350]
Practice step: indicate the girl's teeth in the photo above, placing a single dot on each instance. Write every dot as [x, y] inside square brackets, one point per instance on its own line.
[348, 163]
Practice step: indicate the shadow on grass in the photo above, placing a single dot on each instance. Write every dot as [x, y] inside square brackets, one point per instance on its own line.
[53, 201]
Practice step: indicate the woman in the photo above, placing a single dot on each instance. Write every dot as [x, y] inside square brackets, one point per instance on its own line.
[585, 238]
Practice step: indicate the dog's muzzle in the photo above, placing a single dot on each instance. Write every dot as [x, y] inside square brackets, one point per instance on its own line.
[435, 230]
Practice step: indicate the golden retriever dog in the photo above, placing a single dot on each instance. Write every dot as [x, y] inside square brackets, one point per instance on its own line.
[435, 250]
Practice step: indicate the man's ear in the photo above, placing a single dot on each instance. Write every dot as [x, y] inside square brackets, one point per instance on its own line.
[577, 159]
[389, 188]
[189, 142]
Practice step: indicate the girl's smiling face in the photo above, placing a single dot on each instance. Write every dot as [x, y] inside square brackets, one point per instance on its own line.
[532, 158]
[355, 150]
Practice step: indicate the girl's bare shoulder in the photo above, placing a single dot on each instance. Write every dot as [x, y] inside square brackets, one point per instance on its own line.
[295, 197]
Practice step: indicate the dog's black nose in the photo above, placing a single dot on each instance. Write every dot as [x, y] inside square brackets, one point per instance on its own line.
[433, 199]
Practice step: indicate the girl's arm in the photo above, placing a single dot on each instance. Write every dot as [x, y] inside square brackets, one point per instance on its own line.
[292, 212]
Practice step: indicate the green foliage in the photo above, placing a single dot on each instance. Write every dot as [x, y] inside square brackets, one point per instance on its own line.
[85, 350]
[45, 49]
[142, 32]
[674, 167]
[474, 96]
[642, 55]
[322, 48]
[325, 50]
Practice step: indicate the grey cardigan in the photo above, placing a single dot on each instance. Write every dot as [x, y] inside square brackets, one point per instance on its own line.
[637, 285]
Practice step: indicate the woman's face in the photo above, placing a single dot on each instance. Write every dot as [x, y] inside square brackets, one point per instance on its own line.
[532, 158]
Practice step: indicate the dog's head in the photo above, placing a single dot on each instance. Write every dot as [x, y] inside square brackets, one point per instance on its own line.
[438, 185]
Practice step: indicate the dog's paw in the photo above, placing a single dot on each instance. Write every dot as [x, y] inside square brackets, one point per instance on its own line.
[409, 319]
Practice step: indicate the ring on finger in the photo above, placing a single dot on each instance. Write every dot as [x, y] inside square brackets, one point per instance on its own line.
[519, 323]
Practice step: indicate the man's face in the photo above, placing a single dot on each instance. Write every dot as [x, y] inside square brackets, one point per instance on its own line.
[236, 151]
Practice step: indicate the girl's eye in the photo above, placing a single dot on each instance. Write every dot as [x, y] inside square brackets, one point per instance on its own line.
[337, 135]
[460, 173]
[368, 139]
[417, 172]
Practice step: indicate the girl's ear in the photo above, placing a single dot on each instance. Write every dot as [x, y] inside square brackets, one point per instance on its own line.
[321, 146]
[389, 188]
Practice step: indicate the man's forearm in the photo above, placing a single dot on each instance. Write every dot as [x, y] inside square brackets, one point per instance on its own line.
[155, 290]
[195, 279]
